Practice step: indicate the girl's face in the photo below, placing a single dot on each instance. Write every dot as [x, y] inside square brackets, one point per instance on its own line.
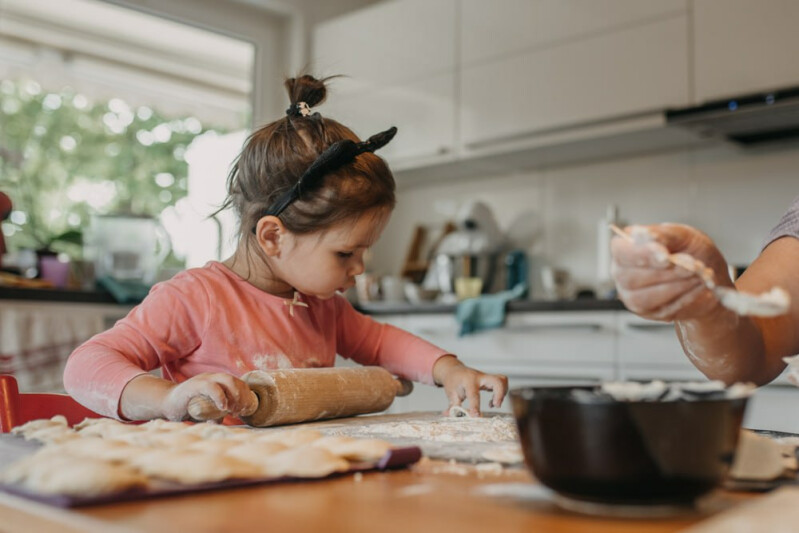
[320, 264]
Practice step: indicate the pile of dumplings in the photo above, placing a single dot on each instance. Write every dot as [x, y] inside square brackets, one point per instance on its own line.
[102, 456]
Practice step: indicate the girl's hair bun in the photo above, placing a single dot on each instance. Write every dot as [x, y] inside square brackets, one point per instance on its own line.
[306, 89]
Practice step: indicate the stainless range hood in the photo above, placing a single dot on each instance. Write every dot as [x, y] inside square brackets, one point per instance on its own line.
[749, 120]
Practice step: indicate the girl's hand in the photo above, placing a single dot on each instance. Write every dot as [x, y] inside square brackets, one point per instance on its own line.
[463, 383]
[228, 393]
[652, 287]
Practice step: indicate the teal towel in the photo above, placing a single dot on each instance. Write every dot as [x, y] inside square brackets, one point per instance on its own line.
[486, 312]
[124, 292]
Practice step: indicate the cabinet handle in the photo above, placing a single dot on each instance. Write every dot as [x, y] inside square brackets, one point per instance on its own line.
[434, 332]
[525, 328]
[651, 327]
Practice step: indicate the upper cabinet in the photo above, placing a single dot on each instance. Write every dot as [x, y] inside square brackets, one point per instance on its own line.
[467, 80]
[398, 61]
[640, 68]
[744, 46]
[490, 30]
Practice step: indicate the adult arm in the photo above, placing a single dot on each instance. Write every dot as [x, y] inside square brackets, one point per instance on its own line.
[720, 343]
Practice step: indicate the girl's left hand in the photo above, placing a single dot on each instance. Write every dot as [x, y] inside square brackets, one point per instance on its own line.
[463, 383]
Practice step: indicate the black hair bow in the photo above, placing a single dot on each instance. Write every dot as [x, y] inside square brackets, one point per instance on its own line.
[334, 157]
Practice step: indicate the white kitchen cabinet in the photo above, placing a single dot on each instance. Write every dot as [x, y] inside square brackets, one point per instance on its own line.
[398, 59]
[388, 43]
[632, 71]
[650, 350]
[532, 349]
[775, 407]
[423, 112]
[490, 30]
[744, 46]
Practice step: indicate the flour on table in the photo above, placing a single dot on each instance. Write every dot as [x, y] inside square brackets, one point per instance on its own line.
[511, 454]
[447, 429]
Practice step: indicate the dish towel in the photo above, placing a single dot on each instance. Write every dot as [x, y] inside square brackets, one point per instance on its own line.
[486, 312]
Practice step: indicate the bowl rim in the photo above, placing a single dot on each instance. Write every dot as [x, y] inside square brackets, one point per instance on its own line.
[526, 393]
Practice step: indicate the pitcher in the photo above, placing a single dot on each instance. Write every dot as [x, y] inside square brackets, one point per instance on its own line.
[127, 247]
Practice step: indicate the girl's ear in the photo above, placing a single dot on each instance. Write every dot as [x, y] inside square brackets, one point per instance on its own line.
[268, 232]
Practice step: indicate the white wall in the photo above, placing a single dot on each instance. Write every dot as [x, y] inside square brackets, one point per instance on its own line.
[735, 196]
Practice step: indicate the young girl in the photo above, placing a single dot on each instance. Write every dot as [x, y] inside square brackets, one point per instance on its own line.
[311, 200]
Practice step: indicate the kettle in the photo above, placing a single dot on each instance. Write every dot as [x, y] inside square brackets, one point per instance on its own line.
[126, 247]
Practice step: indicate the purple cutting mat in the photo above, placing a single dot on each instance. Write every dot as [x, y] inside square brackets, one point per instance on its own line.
[394, 458]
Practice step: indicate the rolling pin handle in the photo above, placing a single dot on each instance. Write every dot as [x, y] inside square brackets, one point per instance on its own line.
[252, 402]
[404, 387]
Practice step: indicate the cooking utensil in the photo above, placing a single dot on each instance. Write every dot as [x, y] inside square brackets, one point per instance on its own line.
[772, 303]
[626, 452]
[305, 394]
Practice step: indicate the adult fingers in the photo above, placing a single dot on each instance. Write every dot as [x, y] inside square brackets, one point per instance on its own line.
[633, 278]
[647, 300]
[696, 302]
[644, 255]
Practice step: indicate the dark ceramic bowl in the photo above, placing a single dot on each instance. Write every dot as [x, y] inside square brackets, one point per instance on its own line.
[626, 452]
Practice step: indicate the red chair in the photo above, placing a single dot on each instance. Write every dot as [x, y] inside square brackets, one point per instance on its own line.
[17, 409]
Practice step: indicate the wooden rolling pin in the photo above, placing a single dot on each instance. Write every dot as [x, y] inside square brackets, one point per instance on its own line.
[306, 394]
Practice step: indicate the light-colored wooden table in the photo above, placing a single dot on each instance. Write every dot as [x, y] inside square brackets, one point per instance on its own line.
[420, 500]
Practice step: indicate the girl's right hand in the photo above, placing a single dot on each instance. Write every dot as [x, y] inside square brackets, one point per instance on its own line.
[228, 393]
[652, 287]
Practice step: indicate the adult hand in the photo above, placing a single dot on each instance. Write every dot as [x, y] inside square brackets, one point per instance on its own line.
[651, 286]
[228, 393]
[463, 383]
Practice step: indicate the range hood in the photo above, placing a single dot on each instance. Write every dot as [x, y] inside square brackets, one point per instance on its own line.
[748, 120]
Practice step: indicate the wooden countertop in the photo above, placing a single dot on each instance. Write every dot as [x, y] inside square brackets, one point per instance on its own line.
[418, 500]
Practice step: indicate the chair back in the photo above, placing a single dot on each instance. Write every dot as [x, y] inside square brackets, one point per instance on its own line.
[17, 409]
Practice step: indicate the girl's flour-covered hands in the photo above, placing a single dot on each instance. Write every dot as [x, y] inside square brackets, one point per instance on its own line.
[147, 397]
[463, 383]
[229, 394]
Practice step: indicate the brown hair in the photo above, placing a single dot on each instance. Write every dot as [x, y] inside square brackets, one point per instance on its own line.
[276, 155]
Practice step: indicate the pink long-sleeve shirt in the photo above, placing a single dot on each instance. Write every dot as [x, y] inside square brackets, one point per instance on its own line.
[211, 320]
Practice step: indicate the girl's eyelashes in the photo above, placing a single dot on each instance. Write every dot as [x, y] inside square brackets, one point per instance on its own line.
[344, 255]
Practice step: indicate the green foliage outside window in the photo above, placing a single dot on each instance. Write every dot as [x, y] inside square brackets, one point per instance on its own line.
[63, 158]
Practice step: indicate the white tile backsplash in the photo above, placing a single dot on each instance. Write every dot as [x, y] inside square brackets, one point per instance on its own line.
[734, 195]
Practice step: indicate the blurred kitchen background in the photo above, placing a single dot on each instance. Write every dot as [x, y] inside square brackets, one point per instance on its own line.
[525, 126]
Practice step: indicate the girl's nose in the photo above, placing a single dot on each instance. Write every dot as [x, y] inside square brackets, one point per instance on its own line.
[357, 268]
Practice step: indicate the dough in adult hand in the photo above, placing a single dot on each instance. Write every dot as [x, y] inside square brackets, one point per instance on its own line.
[354, 449]
[50, 472]
[306, 462]
[191, 467]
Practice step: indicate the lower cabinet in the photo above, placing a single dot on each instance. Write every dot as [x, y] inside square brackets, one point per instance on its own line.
[559, 348]
[578, 347]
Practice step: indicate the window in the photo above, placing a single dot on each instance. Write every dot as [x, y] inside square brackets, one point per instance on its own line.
[100, 108]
